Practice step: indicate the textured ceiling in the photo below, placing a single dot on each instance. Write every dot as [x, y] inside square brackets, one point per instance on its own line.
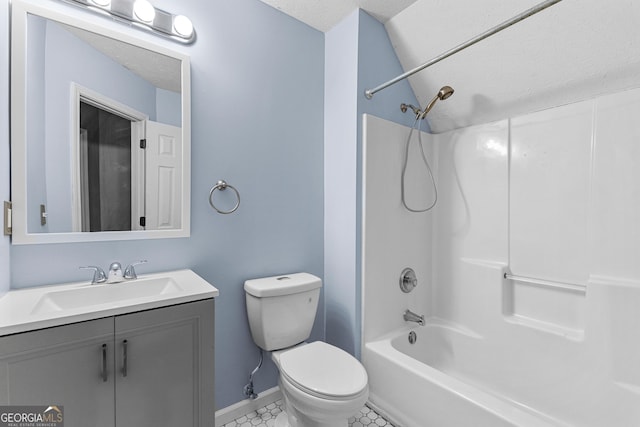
[575, 50]
[324, 14]
[572, 51]
[161, 71]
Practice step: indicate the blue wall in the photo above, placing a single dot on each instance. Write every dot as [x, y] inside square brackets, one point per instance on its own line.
[340, 151]
[358, 56]
[257, 122]
[36, 133]
[168, 108]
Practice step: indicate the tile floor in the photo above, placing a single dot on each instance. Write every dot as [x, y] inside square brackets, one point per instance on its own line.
[266, 417]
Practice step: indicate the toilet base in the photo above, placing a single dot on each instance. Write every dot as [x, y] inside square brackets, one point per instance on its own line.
[291, 416]
[281, 420]
[307, 409]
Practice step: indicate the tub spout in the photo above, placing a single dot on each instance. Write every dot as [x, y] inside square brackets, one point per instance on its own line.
[410, 316]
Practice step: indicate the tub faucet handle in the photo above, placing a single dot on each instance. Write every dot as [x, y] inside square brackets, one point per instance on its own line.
[408, 280]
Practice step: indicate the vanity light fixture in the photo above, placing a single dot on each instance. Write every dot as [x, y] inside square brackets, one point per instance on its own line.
[143, 14]
[105, 4]
[182, 26]
[144, 11]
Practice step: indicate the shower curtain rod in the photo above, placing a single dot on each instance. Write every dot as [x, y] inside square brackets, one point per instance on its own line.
[524, 15]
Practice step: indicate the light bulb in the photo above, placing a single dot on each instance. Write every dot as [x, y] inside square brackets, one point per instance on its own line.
[102, 3]
[182, 26]
[144, 11]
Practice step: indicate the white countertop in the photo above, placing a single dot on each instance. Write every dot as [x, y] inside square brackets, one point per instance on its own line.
[23, 310]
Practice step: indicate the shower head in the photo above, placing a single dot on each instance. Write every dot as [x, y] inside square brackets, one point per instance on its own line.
[444, 93]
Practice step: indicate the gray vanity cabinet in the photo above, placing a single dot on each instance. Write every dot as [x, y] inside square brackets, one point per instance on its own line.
[167, 379]
[62, 366]
[146, 369]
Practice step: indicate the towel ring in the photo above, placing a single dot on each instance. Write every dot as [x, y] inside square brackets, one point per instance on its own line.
[222, 185]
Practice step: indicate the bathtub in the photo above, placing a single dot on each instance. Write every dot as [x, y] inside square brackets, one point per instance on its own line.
[425, 384]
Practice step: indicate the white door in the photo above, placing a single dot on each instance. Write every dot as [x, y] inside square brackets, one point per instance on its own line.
[163, 176]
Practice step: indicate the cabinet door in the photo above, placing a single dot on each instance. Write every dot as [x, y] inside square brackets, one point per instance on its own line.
[164, 367]
[68, 365]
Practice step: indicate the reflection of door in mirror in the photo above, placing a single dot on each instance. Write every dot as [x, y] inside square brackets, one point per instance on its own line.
[163, 169]
[128, 169]
[105, 170]
[108, 168]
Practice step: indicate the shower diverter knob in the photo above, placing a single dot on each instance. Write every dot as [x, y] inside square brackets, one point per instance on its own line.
[408, 280]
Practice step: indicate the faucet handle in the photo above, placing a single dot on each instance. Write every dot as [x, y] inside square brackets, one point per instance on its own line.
[130, 271]
[98, 274]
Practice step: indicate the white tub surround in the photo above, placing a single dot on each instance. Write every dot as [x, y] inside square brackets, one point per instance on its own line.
[527, 269]
[40, 307]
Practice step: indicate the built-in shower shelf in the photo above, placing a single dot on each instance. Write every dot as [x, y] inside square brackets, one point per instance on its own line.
[550, 306]
[547, 283]
[552, 328]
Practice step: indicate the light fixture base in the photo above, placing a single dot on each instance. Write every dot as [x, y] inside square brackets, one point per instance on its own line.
[143, 15]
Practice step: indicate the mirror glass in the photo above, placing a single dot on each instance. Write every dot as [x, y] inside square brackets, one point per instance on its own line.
[100, 132]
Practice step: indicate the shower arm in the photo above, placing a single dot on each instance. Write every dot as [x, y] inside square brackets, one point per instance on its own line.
[420, 114]
[506, 24]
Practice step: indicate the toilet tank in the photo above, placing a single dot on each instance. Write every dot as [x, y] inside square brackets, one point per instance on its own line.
[282, 309]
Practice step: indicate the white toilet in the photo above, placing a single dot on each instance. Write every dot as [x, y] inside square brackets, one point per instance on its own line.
[322, 385]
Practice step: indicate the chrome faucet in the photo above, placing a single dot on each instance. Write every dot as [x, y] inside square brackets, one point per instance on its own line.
[130, 271]
[410, 316]
[98, 274]
[115, 273]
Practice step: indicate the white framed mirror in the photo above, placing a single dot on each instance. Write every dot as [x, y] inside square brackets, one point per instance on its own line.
[100, 130]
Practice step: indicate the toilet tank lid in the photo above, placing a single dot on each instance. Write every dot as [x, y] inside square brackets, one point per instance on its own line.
[282, 285]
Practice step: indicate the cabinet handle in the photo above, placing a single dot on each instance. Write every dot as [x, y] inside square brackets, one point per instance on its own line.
[104, 363]
[124, 358]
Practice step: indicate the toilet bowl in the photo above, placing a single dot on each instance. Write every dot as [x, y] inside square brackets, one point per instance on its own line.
[322, 385]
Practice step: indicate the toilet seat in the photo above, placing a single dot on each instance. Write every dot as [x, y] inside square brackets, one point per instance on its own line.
[324, 371]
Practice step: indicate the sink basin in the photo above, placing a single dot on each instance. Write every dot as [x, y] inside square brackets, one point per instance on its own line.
[39, 307]
[91, 295]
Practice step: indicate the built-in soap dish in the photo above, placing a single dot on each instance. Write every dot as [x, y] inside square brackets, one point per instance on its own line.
[555, 307]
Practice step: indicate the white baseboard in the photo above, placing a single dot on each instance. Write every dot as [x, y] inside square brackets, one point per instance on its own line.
[230, 413]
